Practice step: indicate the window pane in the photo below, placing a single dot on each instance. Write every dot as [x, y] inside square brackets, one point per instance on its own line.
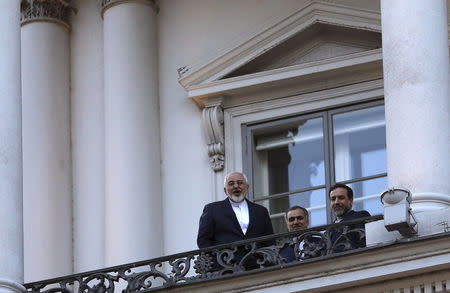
[314, 201]
[359, 143]
[279, 223]
[367, 195]
[288, 158]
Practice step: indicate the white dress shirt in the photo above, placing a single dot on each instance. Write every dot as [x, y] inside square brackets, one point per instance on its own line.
[241, 211]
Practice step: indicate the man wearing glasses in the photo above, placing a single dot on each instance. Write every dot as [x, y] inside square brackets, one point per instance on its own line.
[233, 219]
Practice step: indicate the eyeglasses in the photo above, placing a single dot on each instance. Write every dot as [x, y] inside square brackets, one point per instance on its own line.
[292, 219]
[239, 183]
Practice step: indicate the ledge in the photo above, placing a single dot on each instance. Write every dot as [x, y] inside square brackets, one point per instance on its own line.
[350, 65]
[408, 258]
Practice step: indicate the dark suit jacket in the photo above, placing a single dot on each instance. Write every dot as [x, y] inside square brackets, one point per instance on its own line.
[287, 252]
[350, 215]
[219, 225]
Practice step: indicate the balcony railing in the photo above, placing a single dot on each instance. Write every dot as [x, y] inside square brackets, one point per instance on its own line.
[213, 263]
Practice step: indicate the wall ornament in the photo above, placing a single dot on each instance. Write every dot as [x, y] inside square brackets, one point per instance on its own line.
[57, 11]
[212, 120]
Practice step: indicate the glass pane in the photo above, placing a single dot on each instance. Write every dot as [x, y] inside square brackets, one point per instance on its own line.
[314, 201]
[367, 195]
[279, 224]
[288, 157]
[359, 143]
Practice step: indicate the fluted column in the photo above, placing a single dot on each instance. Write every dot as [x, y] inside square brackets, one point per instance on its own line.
[46, 139]
[416, 83]
[132, 141]
[87, 137]
[11, 228]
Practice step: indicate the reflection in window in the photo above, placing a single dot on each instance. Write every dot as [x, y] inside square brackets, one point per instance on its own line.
[287, 159]
[360, 151]
[291, 157]
[359, 143]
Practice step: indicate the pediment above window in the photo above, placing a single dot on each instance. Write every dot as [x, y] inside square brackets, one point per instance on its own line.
[317, 42]
[321, 40]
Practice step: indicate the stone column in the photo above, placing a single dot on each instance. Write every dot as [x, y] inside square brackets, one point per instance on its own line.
[416, 84]
[11, 228]
[132, 141]
[87, 137]
[47, 167]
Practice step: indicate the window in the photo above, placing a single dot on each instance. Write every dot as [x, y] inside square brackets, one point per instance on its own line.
[295, 160]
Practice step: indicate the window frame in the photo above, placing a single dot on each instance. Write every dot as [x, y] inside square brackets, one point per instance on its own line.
[326, 114]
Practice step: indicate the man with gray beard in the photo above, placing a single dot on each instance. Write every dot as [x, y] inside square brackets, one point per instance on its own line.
[233, 219]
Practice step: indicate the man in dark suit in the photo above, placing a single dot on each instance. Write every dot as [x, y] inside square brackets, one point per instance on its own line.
[310, 244]
[234, 218]
[341, 201]
[297, 218]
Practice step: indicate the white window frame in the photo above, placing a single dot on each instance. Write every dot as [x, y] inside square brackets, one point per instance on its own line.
[236, 117]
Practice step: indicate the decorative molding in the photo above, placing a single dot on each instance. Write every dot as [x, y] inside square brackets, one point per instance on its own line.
[57, 11]
[416, 263]
[11, 285]
[105, 4]
[315, 11]
[212, 120]
[351, 65]
[289, 105]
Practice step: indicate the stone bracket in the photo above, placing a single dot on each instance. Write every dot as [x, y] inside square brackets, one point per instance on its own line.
[212, 120]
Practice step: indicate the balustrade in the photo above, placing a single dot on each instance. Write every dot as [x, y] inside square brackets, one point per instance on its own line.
[243, 257]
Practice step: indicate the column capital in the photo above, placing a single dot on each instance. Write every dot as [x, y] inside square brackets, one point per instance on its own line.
[105, 4]
[57, 11]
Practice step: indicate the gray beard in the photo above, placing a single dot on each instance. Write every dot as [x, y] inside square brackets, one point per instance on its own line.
[237, 199]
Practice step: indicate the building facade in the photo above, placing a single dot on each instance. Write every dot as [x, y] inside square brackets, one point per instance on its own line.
[122, 117]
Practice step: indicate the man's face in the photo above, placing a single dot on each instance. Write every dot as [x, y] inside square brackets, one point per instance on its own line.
[236, 188]
[340, 202]
[296, 220]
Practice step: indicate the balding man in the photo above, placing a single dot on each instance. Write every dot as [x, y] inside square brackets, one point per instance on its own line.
[235, 218]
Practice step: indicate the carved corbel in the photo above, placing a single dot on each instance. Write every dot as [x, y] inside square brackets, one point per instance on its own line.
[57, 11]
[213, 126]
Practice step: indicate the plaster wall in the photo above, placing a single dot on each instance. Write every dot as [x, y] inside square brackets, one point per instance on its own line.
[190, 32]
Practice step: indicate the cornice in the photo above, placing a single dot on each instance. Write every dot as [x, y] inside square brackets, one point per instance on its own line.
[312, 72]
[57, 11]
[314, 11]
[105, 4]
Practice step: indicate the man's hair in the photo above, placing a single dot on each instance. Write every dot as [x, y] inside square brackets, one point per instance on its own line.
[340, 185]
[305, 211]
[228, 175]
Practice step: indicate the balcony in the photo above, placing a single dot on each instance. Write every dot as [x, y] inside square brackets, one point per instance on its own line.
[323, 263]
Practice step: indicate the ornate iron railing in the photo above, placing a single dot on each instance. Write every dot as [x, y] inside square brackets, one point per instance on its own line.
[244, 257]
